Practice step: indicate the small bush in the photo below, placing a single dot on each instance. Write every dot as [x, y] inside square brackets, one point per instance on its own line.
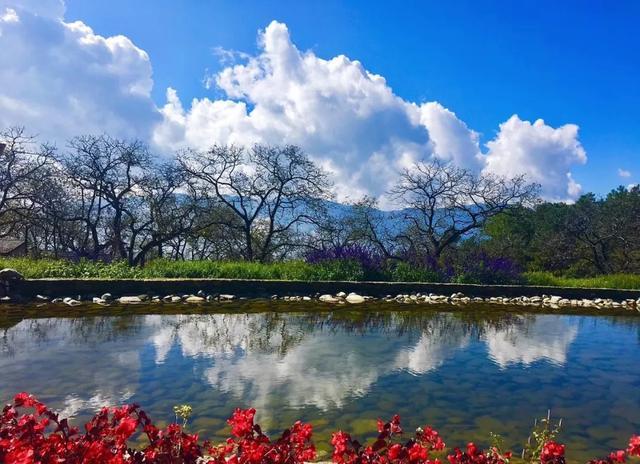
[478, 267]
[405, 272]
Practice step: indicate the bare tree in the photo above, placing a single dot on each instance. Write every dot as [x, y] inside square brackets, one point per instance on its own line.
[359, 223]
[22, 166]
[443, 203]
[163, 211]
[271, 191]
[217, 238]
[106, 175]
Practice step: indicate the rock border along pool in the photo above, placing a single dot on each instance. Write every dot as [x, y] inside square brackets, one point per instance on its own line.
[75, 292]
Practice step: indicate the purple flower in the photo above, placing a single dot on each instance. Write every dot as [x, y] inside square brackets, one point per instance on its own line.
[355, 252]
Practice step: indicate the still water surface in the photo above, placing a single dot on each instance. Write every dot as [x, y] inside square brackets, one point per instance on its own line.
[466, 373]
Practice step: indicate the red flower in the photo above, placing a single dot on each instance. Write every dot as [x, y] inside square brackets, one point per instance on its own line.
[394, 451]
[40, 436]
[126, 427]
[430, 437]
[618, 456]
[552, 452]
[472, 449]
[241, 421]
[395, 424]
[634, 446]
[418, 453]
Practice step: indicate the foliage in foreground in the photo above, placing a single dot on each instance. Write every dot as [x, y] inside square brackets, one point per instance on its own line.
[41, 436]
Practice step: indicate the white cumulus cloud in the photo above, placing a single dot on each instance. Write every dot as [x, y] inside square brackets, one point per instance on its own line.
[453, 140]
[545, 154]
[60, 79]
[624, 173]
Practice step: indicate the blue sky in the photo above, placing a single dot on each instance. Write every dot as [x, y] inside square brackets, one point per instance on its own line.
[565, 62]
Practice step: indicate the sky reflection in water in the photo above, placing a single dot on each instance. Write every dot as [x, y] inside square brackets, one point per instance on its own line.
[466, 375]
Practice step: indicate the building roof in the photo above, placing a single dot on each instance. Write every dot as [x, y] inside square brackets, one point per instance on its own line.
[7, 245]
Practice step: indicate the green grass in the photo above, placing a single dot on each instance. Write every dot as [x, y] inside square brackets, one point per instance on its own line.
[287, 270]
[618, 281]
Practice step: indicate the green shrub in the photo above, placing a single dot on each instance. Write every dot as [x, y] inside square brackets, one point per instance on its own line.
[338, 270]
[405, 272]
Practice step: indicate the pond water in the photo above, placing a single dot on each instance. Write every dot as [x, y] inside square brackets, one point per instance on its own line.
[466, 372]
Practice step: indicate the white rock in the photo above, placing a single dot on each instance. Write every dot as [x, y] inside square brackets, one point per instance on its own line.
[341, 294]
[354, 298]
[195, 299]
[129, 300]
[71, 302]
[227, 297]
[328, 298]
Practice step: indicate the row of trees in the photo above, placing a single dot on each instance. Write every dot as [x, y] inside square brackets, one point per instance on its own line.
[592, 236]
[111, 199]
[103, 198]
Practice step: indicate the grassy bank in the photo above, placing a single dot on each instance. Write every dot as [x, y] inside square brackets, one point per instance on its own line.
[618, 281]
[288, 270]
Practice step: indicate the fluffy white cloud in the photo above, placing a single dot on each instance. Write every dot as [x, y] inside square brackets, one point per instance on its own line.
[59, 79]
[545, 154]
[9, 16]
[453, 141]
[624, 173]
